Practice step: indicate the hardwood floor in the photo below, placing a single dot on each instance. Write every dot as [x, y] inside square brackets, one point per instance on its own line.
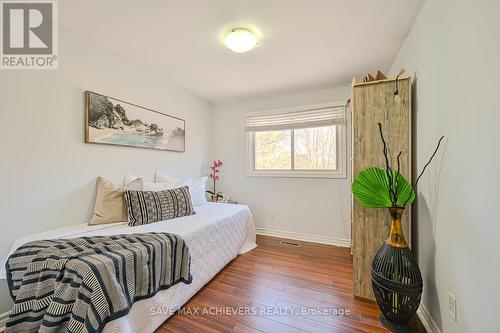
[279, 288]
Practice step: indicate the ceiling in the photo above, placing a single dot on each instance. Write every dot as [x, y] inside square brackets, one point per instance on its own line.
[305, 44]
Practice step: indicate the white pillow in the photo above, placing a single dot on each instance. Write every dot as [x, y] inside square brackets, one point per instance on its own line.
[197, 190]
[162, 177]
[197, 186]
[164, 186]
[129, 177]
[149, 186]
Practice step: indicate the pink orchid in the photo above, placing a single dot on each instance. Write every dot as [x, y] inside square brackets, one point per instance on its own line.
[215, 170]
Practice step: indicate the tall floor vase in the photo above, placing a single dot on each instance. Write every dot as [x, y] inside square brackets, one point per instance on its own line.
[396, 279]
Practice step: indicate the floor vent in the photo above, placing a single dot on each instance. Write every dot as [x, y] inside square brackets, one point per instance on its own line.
[290, 243]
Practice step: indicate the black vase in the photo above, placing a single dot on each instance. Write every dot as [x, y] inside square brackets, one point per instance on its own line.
[396, 279]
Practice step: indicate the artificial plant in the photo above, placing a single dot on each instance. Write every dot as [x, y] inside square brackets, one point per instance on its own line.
[377, 188]
[215, 177]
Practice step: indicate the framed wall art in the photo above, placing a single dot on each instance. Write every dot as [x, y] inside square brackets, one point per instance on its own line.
[115, 122]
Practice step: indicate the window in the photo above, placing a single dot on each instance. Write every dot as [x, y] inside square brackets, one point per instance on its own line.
[273, 150]
[298, 142]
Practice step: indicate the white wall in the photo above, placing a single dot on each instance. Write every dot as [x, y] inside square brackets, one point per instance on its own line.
[453, 52]
[47, 172]
[315, 207]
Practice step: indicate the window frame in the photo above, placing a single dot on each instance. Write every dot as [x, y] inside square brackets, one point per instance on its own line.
[341, 141]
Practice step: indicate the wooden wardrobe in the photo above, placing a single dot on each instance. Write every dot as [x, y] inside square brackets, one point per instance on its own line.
[374, 102]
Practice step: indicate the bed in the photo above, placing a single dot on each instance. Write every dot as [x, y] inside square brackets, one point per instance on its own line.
[215, 235]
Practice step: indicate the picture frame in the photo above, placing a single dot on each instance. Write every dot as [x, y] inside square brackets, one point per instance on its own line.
[112, 121]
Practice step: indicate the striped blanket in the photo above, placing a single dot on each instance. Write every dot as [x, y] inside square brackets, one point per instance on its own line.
[80, 284]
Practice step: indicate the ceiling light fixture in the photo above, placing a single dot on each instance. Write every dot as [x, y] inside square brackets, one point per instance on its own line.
[240, 40]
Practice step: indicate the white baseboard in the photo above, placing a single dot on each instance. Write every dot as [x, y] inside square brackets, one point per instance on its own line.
[3, 319]
[427, 320]
[304, 237]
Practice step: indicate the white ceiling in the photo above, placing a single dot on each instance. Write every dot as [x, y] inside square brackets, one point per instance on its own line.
[306, 44]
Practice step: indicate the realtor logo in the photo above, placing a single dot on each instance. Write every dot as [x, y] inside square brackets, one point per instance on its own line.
[29, 35]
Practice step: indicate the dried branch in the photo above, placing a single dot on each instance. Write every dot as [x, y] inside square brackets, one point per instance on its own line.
[397, 177]
[425, 167]
[388, 169]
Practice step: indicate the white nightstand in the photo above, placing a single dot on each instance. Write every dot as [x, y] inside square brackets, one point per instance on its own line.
[232, 202]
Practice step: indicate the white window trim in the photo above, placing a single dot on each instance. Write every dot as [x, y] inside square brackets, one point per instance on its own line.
[341, 133]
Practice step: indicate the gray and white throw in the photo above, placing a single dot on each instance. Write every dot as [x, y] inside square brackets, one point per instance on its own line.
[80, 284]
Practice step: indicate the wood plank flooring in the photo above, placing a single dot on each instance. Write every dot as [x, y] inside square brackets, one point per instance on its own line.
[277, 288]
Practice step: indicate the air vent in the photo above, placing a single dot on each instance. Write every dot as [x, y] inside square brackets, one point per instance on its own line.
[290, 243]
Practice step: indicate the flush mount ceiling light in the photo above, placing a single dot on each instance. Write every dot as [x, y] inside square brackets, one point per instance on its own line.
[240, 40]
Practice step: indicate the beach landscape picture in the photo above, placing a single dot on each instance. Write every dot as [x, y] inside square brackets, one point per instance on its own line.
[112, 121]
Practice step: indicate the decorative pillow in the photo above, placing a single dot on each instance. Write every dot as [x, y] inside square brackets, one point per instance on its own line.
[145, 207]
[197, 186]
[129, 177]
[159, 186]
[109, 206]
[163, 177]
[164, 186]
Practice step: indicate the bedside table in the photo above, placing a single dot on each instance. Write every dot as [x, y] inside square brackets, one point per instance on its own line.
[233, 202]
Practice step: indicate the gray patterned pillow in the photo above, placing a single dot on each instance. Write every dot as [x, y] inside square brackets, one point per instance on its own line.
[145, 207]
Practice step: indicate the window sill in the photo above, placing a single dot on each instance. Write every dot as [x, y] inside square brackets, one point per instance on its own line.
[298, 174]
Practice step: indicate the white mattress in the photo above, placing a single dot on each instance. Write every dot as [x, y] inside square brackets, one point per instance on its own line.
[215, 235]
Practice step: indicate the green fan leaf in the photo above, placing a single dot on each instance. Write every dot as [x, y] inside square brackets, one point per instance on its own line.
[405, 191]
[371, 189]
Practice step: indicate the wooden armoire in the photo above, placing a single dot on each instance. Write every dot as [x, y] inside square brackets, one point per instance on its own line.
[372, 103]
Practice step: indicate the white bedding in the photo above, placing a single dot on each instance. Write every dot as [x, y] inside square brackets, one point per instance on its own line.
[215, 235]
